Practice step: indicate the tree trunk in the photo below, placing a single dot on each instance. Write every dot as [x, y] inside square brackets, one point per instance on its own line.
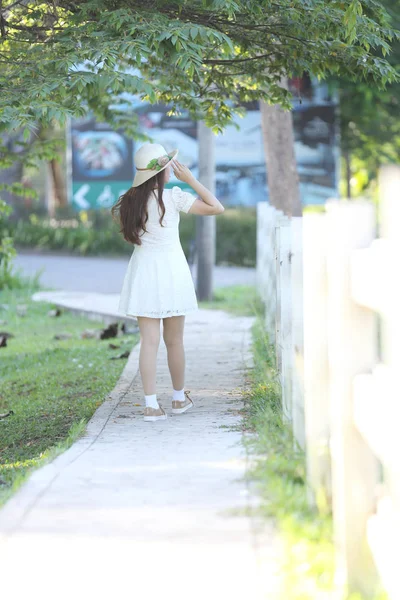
[283, 179]
[12, 174]
[347, 161]
[205, 225]
[58, 183]
[50, 192]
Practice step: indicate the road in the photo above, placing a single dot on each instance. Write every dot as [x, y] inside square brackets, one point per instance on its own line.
[103, 274]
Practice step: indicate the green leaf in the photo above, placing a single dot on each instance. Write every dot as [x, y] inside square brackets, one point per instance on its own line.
[193, 32]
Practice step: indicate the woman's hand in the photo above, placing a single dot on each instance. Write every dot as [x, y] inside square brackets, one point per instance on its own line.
[182, 172]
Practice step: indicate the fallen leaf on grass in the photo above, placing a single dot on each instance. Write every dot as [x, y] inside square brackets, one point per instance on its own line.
[7, 414]
[113, 346]
[7, 334]
[109, 332]
[123, 355]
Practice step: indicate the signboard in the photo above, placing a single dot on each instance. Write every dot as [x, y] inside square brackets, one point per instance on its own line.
[241, 175]
[101, 164]
[315, 123]
[102, 160]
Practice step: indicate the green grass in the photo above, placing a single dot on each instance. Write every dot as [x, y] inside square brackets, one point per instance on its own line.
[53, 386]
[236, 299]
[278, 469]
[278, 466]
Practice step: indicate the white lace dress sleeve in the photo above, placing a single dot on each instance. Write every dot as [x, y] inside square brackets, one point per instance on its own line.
[182, 200]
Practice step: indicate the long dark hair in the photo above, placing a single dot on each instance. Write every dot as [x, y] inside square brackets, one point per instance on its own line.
[130, 211]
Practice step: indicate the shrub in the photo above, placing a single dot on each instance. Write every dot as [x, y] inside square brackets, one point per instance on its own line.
[93, 232]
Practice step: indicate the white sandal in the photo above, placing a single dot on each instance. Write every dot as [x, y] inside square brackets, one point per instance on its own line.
[181, 406]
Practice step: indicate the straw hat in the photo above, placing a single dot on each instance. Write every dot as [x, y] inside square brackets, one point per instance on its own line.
[150, 159]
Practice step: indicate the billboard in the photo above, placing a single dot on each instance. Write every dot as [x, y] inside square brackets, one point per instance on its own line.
[101, 164]
[241, 173]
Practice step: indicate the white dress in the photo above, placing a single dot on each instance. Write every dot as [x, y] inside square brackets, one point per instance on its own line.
[158, 282]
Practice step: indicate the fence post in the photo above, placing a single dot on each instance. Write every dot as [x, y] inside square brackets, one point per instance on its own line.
[316, 371]
[297, 320]
[389, 184]
[262, 242]
[351, 350]
[266, 268]
[272, 275]
[283, 327]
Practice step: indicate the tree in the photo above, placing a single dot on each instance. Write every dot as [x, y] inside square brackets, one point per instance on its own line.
[12, 169]
[283, 179]
[65, 57]
[369, 116]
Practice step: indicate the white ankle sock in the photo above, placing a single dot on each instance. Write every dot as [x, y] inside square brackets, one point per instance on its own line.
[151, 401]
[178, 394]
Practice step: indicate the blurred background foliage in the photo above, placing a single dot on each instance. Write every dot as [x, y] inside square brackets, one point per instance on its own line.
[93, 232]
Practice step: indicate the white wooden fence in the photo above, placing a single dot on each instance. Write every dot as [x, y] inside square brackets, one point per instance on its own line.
[279, 278]
[332, 293]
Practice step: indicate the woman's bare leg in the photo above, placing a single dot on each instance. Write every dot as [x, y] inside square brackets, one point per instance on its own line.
[149, 343]
[173, 338]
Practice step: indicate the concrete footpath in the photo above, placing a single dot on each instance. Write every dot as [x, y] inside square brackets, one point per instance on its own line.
[138, 510]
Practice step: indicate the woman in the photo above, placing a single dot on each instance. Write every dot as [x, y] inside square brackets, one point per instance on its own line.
[158, 283]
